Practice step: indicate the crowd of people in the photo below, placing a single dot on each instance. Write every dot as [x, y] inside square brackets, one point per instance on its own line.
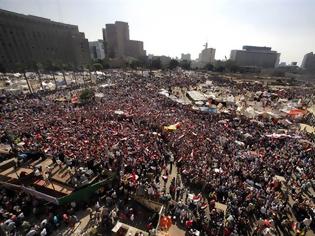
[265, 180]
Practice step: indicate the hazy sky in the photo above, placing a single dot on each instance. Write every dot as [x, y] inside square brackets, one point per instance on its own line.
[172, 27]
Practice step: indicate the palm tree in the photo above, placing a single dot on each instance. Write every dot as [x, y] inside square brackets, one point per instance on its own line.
[90, 67]
[172, 65]
[63, 67]
[51, 68]
[37, 67]
[21, 69]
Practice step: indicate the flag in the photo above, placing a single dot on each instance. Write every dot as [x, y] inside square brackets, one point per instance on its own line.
[171, 128]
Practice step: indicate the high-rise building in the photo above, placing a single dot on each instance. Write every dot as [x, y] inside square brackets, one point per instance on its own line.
[117, 42]
[308, 62]
[207, 55]
[97, 50]
[253, 56]
[186, 57]
[27, 40]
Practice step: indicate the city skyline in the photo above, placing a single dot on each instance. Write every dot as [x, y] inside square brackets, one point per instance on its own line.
[172, 28]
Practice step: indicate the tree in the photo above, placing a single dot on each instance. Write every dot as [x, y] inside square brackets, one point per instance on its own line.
[63, 68]
[185, 64]
[155, 64]
[21, 68]
[134, 64]
[86, 95]
[37, 67]
[219, 66]
[105, 63]
[231, 66]
[209, 67]
[97, 66]
[173, 64]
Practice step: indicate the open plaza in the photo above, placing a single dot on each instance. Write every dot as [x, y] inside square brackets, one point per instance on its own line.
[136, 153]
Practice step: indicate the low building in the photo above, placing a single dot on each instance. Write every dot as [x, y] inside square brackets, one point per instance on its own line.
[165, 60]
[308, 62]
[97, 51]
[261, 57]
[135, 49]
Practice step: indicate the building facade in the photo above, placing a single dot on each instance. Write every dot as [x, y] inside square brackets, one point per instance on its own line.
[27, 40]
[135, 49]
[207, 55]
[186, 57]
[97, 50]
[261, 57]
[117, 43]
[308, 62]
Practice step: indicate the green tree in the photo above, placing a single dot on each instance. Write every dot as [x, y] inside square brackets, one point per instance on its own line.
[64, 67]
[173, 64]
[219, 66]
[155, 64]
[209, 67]
[231, 66]
[97, 66]
[21, 69]
[37, 67]
[86, 96]
[51, 68]
[185, 64]
[105, 63]
[134, 64]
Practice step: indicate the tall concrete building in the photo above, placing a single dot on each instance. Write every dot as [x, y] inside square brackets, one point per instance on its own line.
[27, 39]
[186, 57]
[308, 62]
[117, 43]
[262, 57]
[207, 55]
[97, 50]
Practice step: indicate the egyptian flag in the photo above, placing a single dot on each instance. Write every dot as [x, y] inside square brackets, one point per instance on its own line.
[74, 99]
[133, 177]
[197, 198]
[204, 206]
[189, 224]
[38, 136]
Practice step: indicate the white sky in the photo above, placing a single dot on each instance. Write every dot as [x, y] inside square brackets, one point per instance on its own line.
[172, 27]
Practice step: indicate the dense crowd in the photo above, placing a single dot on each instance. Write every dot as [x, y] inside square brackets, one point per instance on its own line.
[221, 157]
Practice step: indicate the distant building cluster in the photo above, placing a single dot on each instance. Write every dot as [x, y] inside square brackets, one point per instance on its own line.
[262, 57]
[117, 42]
[27, 39]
